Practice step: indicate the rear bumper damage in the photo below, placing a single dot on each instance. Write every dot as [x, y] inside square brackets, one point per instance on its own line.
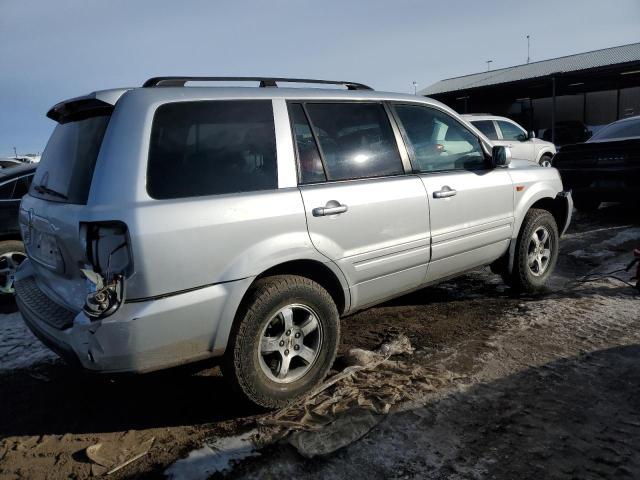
[140, 336]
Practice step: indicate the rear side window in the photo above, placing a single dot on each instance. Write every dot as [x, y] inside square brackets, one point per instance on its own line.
[66, 167]
[356, 140]
[22, 187]
[7, 189]
[212, 147]
[487, 127]
[438, 141]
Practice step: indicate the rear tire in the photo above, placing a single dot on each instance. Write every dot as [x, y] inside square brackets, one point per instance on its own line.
[536, 252]
[586, 204]
[284, 341]
[11, 256]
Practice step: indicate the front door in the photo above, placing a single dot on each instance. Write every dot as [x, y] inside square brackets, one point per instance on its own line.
[514, 137]
[471, 204]
[363, 211]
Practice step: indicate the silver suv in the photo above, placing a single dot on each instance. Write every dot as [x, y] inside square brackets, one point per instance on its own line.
[504, 131]
[167, 224]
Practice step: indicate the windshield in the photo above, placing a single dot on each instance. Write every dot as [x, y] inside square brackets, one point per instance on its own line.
[618, 130]
[66, 167]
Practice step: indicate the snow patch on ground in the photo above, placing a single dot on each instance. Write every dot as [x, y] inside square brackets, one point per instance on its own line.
[601, 254]
[19, 348]
[216, 456]
[623, 237]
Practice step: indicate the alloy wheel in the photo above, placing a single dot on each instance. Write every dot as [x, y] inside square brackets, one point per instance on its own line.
[9, 263]
[290, 343]
[539, 251]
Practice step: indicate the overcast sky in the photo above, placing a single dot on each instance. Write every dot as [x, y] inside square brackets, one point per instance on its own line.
[52, 50]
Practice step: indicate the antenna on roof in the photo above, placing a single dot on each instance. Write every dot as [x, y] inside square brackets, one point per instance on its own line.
[528, 49]
[489, 65]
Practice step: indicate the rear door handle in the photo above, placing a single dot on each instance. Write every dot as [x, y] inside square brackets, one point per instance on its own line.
[445, 192]
[332, 207]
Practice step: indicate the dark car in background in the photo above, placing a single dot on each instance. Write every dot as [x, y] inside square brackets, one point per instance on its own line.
[9, 163]
[14, 183]
[567, 132]
[604, 169]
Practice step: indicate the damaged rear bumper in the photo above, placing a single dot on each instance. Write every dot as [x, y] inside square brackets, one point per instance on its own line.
[139, 337]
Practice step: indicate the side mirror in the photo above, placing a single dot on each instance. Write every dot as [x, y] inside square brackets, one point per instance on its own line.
[531, 134]
[501, 156]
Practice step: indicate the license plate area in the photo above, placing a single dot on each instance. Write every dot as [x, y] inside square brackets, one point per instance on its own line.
[43, 248]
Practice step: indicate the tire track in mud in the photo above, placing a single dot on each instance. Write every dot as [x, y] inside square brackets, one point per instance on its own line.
[554, 393]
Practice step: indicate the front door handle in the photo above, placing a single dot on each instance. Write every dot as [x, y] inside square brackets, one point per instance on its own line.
[332, 207]
[445, 192]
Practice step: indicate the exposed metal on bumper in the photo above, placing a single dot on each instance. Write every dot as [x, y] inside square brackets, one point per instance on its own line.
[142, 336]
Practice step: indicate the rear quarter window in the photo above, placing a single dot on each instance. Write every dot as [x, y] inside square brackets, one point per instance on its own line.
[212, 147]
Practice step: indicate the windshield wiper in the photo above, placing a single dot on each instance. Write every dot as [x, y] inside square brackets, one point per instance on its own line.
[49, 191]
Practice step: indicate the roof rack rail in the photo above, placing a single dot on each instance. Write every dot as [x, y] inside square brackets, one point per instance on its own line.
[264, 81]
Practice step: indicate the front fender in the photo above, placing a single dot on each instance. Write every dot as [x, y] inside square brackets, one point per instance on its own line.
[545, 150]
[531, 195]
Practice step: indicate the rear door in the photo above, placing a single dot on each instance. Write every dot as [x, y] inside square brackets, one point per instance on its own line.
[364, 212]
[488, 128]
[471, 204]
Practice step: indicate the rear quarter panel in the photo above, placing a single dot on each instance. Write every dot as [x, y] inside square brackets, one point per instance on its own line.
[185, 243]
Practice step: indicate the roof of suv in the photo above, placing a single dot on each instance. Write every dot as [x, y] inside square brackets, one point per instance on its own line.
[484, 116]
[173, 90]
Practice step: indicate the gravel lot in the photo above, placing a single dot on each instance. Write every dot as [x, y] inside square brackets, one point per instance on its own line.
[544, 387]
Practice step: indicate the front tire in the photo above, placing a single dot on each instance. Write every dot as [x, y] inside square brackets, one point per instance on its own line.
[284, 342]
[545, 160]
[536, 252]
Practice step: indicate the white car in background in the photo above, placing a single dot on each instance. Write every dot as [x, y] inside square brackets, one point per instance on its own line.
[504, 131]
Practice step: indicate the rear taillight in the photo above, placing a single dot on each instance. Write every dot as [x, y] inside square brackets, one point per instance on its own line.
[109, 263]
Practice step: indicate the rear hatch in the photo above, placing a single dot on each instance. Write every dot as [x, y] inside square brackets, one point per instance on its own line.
[51, 213]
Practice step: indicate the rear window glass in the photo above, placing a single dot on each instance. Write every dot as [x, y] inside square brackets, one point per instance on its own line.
[618, 130]
[356, 140]
[22, 186]
[487, 127]
[66, 167]
[212, 147]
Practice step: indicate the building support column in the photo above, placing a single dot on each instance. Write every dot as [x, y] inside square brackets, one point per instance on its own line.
[553, 109]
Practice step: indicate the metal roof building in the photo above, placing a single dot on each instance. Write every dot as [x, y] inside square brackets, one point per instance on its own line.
[594, 88]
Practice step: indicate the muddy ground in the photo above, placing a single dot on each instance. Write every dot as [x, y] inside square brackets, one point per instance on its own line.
[544, 387]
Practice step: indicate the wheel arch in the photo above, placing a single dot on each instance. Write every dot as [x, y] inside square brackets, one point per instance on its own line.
[558, 204]
[548, 151]
[321, 273]
[5, 236]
